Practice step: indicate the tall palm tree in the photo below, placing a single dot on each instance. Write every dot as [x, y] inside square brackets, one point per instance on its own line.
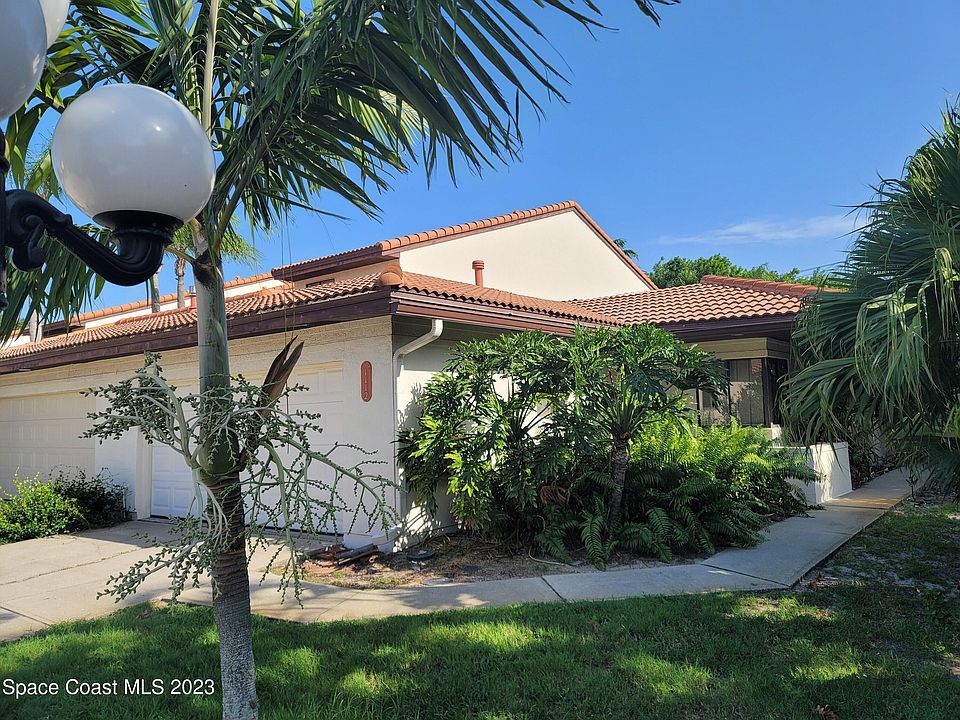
[297, 103]
[625, 379]
[627, 250]
[180, 271]
[882, 358]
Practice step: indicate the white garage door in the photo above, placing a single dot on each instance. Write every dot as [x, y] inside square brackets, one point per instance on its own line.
[40, 432]
[172, 492]
[323, 393]
[173, 486]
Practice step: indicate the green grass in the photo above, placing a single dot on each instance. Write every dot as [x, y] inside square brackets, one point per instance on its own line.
[862, 647]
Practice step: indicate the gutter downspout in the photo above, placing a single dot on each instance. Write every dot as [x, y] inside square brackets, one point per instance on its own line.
[436, 329]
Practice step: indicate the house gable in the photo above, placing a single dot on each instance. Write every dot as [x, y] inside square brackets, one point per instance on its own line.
[557, 257]
[555, 252]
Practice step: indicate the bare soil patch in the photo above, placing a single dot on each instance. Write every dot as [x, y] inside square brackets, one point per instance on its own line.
[459, 558]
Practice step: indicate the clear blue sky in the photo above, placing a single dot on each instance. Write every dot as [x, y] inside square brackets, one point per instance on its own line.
[742, 127]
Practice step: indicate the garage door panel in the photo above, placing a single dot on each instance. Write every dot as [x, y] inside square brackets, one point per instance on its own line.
[173, 485]
[38, 433]
[323, 385]
[324, 394]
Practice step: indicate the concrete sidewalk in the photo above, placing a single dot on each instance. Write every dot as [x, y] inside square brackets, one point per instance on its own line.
[57, 579]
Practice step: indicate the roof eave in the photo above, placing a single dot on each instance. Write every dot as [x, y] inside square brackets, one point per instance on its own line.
[727, 328]
[351, 260]
[471, 313]
[343, 309]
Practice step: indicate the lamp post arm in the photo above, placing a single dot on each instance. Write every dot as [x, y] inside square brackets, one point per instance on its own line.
[142, 238]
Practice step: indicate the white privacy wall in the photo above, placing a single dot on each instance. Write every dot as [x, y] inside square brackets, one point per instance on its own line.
[831, 463]
[557, 257]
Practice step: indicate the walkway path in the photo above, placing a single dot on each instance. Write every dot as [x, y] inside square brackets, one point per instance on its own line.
[56, 579]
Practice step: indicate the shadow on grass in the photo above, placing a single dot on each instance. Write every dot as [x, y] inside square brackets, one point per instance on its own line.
[864, 652]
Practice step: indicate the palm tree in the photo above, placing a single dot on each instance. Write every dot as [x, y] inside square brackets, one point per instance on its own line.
[627, 250]
[297, 103]
[180, 271]
[153, 285]
[233, 246]
[625, 379]
[882, 359]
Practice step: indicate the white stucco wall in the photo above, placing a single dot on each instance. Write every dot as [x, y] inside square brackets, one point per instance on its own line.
[346, 345]
[413, 372]
[831, 462]
[557, 257]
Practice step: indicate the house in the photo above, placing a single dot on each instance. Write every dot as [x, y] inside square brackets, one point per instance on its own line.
[745, 323]
[377, 322]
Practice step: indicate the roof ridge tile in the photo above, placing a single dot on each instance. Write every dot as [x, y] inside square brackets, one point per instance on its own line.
[766, 286]
[446, 231]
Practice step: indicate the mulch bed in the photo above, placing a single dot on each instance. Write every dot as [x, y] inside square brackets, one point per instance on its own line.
[458, 558]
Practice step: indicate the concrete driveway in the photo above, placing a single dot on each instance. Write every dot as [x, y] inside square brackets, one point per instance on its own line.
[56, 579]
[51, 580]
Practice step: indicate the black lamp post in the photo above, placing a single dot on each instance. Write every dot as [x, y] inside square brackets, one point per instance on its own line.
[132, 158]
[26, 217]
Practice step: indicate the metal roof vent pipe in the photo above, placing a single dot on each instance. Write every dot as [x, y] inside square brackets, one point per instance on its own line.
[478, 266]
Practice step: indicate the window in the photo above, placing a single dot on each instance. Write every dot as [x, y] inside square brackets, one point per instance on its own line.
[775, 375]
[746, 390]
[753, 395]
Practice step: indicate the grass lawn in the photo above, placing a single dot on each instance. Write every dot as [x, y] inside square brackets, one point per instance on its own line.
[878, 637]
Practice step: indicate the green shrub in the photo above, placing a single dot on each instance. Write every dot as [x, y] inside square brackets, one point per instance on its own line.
[101, 503]
[742, 458]
[688, 490]
[589, 443]
[35, 509]
[516, 421]
[697, 488]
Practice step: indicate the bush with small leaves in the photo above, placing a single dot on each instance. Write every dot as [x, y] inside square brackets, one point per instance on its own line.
[35, 509]
[101, 502]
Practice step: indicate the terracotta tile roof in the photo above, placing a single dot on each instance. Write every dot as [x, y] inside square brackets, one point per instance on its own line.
[141, 304]
[713, 298]
[120, 309]
[286, 297]
[262, 301]
[451, 289]
[247, 280]
[385, 249]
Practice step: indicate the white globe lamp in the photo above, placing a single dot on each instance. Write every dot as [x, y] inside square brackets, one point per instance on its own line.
[124, 150]
[23, 49]
[129, 156]
[54, 16]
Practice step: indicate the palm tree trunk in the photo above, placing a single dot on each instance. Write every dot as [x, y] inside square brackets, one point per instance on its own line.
[231, 611]
[155, 293]
[231, 589]
[618, 475]
[180, 270]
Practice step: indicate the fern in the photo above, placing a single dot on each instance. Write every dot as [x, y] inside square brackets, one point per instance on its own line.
[592, 530]
[638, 538]
[660, 523]
[553, 538]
